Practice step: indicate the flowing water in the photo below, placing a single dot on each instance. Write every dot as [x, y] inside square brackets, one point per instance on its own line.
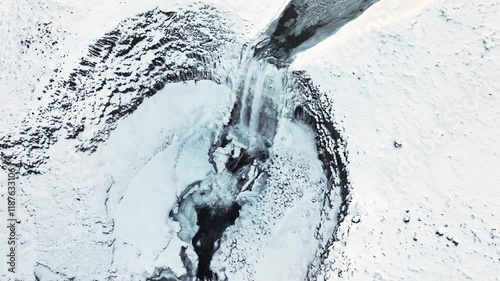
[238, 156]
[262, 91]
[261, 88]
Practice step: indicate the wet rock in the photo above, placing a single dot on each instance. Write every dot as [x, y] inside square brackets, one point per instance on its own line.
[305, 23]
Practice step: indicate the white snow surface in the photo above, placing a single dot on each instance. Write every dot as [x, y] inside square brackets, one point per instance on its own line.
[429, 81]
[105, 215]
[143, 231]
[424, 74]
[276, 227]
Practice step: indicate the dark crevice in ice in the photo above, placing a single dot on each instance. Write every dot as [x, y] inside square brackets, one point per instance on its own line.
[212, 222]
[234, 164]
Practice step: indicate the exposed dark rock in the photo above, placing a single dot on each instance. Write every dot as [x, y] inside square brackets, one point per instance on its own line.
[113, 79]
[317, 114]
[306, 22]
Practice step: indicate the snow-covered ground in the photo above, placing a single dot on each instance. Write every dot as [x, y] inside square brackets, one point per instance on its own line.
[422, 74]
[431, 208]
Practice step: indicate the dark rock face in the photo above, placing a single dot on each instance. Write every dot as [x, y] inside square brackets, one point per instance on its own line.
[333, 155]
[127, 65]
[304, 23]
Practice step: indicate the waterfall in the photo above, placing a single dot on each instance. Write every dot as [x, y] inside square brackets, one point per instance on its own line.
[260, 89]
